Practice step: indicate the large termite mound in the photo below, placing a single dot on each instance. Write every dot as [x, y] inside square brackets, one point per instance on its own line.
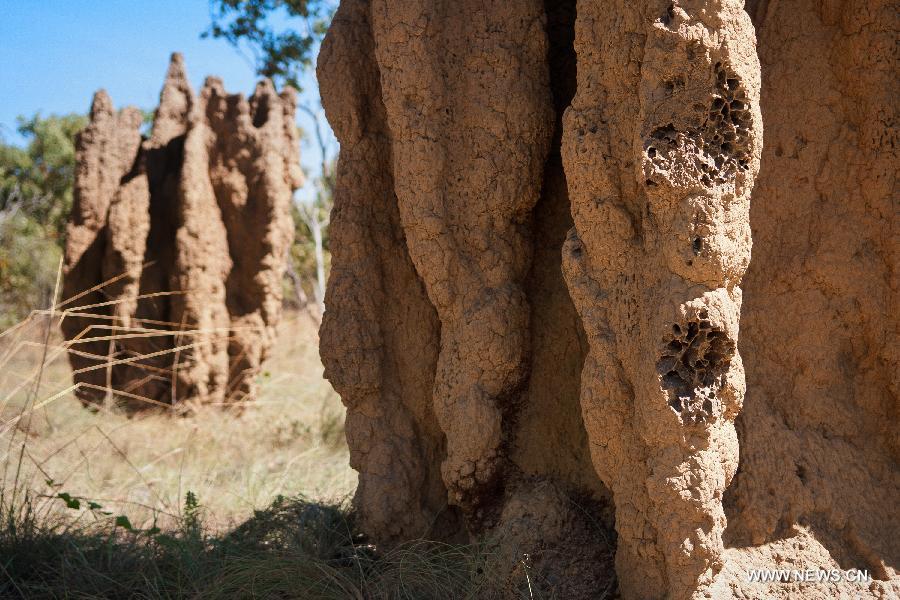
[543, 315]
[819, 433]
[177, 243]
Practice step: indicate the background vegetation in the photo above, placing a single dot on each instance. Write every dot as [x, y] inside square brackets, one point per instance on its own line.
[35, 199]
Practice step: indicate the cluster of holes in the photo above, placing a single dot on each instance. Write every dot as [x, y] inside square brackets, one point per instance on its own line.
[728, 123]
[692, 365]
[722, 139]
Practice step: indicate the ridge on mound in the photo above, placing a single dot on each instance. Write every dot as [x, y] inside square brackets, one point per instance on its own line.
[543, 316]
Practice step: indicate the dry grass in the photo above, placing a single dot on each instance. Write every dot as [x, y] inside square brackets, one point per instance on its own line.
[289, 441]
[245, 501]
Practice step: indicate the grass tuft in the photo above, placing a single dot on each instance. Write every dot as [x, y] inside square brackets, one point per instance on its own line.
[295, 548]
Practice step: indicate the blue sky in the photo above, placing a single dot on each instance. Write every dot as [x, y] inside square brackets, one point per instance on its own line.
[55, 53]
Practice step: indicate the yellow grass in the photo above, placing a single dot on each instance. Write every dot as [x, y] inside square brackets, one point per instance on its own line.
[98, 504]
[289, 441]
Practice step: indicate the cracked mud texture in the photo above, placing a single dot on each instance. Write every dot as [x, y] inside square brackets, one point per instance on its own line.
[449, 133]
[543, 316]
[177, 244]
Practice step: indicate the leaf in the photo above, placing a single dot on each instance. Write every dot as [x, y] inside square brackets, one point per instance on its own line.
[71, 502]
[123, 522]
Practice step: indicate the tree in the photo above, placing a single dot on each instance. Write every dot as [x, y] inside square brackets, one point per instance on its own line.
[38, 178]
[318, 214]
[36, 184]
[278, 55]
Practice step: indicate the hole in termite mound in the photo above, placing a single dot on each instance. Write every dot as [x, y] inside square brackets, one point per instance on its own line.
[691, 366]
[720, 145]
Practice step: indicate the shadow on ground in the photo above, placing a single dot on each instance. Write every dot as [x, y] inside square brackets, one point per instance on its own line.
[293, 549]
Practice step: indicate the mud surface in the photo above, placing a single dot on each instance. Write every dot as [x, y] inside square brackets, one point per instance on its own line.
[543, 315]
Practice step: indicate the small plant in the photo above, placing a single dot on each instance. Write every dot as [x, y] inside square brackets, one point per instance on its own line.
[192, 525]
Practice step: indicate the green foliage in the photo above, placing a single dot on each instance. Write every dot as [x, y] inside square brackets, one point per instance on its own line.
[71, 502]
[38, 178]
[280, 55]
[29, 259]
[192, 523]
[36, 184]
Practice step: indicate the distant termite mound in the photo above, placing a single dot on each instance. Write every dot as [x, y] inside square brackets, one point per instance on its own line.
[177, 244]
[542, 270]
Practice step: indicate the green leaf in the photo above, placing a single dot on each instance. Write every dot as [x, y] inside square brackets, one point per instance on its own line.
[123, 522]
[71, 502]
